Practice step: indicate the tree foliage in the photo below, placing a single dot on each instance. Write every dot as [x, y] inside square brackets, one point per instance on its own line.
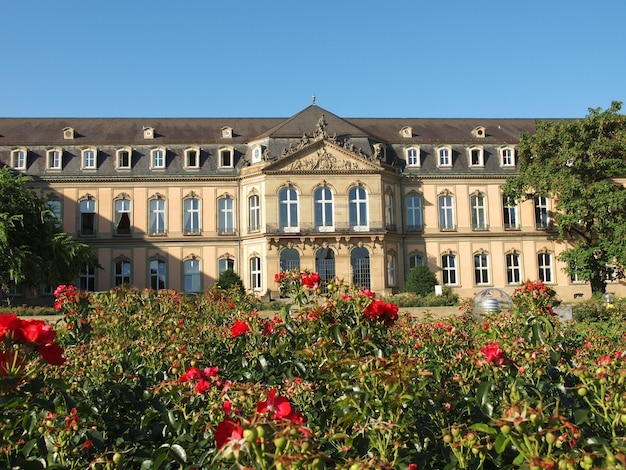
[229, 279]
[34, 251]
[579, 164]
[420, 281]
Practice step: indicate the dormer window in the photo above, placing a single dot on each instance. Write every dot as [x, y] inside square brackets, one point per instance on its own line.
[124, 158]
[89, 158]
[476, 156]
[226, 158]
[148, 133]
[192, 157]
[157, 158]
[406, 132]
[227, 132]
[507, 156]
[444, 157]
[413, 156]
[54, 159]
[479, 132]
[68, 133]
[18, 158]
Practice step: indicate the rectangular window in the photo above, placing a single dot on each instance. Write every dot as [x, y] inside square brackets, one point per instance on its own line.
[414, 220]
[508, 157]
[87, 279]
[542, 219]
[413, 157]
[122, 217]
[54, 159]
[481, 269]
[225, 264]
[226, 222]
[416, 260]
[444, 157]
[158, 158]
[324, 210]
[191, 222]
[87, 218]
[122, 273]
[511, 221]
[392, 270]
[157, 217]
[476, 157]
[19, 159]
[89, 159]
[55, 207]
[192, 279]
[544, 263]
[513, 269]
[192, 159]
[446, 213]
[358, 209]
[255, 273]
[479, 212]
[226, 158]
[123, 159]
[448, 269]
[254, 213]
[288, 210]
[390, 211]
[158, 272]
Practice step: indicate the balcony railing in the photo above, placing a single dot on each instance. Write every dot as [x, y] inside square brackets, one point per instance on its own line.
[336, 228]
[480, 227]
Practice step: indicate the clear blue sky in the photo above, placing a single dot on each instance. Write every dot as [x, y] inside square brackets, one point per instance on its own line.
[361, 58]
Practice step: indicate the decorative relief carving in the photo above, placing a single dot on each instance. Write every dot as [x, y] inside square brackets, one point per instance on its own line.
[322, 161]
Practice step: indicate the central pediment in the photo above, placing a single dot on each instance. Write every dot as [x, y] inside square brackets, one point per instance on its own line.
[324, 156]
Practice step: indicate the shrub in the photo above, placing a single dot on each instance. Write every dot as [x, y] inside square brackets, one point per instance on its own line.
[230, 279]
[420, 281]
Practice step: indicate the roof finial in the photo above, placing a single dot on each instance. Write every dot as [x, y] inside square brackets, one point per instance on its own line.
[313, 99]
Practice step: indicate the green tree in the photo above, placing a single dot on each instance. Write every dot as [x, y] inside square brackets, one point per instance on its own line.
[34, 251]
[230, 279]
[579, 164]
[420, 280]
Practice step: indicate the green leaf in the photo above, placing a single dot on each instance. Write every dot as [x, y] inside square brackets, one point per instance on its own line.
[482, 427]
[501, 443]
[483, 396]
[179, 453]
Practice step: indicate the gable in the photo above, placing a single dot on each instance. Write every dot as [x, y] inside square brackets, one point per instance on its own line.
[324, 156]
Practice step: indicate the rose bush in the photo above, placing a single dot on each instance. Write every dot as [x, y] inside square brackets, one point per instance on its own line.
[341, 379]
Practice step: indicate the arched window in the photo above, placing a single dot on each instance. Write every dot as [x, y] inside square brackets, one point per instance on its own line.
[192, 278]
[122, 272]
[122, 216]
[87, 217]
[324, 210]
[289, 259]
[226, 215]
[254, 213]
[446, 212]
[158, 274]
[481, 269]
[288, 210]
[360, 263]
[157, 216]
[358, 208]
[191, 216]
[449, 269]
[414, 213]
[478, 209]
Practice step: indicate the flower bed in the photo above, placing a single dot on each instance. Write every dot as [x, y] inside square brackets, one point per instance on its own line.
[155, 380]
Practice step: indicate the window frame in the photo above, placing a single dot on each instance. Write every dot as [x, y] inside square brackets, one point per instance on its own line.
[89, 158]
[87, 279]
[479, 151]
[414, 213]
[192, 216]
[513, 262]
[392, 269]
[87, 213]
[545, 267]
[446, 212]
[504, 157]
[192, 274]
[222, 153]
[413, 155]
[358, 212]
[449, 270]
[226, 215]
[256, 273]
[289, 209]
[228, 261]
[158, 162]
[478, 211]
[120, 277]
[481, 269]
[158, 274]
[444, 161]
[542, 212]
[510, 211]
[19, 158]
[118, 158]
[254, 213]
[54, 159]
[188, 164]
[118, 215]
[153, 213]
[324, 209]
[390, 210]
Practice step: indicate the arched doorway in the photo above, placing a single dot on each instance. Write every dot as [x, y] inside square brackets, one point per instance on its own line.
[289, 259]
[325, 266]
[360, 263]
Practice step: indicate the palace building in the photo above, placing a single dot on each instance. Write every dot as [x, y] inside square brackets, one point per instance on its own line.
[171, 203]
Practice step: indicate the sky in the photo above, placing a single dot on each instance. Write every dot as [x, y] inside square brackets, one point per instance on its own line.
[359, 58]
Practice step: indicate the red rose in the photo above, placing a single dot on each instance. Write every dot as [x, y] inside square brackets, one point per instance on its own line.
[51, 353]
[10, 327]
[239, 328]
[227, 430]
[494, 354]
[311, 280]
[38, 332]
